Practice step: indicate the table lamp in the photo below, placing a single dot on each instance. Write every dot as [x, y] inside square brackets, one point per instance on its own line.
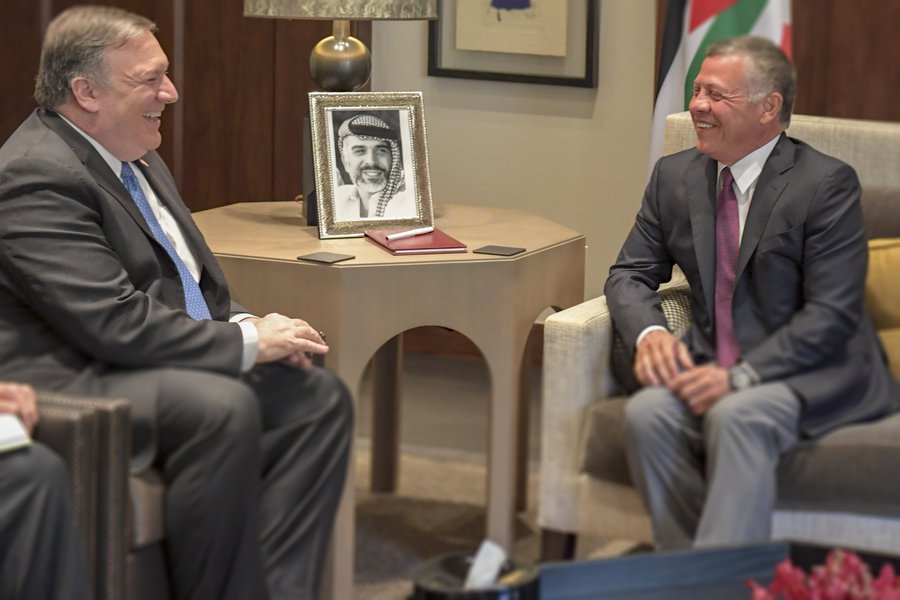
[341, 63]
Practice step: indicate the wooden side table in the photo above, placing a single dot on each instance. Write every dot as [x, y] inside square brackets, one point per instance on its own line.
[365, 303]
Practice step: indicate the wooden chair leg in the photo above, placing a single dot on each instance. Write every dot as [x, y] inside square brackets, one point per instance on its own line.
[557, 545]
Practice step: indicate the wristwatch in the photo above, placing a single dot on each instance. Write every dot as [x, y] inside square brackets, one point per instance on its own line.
[739, 377]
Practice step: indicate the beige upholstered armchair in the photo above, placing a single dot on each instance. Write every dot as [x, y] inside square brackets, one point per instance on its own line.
[839, 490]
[118, 514]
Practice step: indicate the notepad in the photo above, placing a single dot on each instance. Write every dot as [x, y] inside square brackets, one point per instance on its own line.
[436, 242]
[12, 433]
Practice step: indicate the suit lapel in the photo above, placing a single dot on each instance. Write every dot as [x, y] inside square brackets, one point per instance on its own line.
[157, 175]
[771, 183]
[700, 182]
[212, 280]
[152, 168]
[96, 166]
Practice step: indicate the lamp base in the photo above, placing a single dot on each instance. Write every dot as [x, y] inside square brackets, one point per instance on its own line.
[340, 63]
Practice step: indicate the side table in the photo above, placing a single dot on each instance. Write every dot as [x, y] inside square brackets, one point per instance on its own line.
[364, 304]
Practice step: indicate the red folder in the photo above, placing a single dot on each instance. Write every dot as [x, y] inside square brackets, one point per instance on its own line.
[436, 242]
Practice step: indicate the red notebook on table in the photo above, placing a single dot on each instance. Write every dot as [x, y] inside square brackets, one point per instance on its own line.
[436, 242]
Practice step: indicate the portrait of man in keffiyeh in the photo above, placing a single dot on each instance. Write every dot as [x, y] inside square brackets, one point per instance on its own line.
[370, 153]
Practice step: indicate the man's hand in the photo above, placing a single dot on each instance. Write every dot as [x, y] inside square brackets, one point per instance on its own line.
[19, 399]
[701, 387]
[660, 357]
[283, 338]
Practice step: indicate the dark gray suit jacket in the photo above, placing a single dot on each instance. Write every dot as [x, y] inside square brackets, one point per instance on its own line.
[85, 289]
[798, 299]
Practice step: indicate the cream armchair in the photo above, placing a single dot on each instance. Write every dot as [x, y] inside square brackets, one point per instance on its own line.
[840, 490]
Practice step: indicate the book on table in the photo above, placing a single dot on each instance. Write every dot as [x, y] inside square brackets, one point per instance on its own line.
[436, 242]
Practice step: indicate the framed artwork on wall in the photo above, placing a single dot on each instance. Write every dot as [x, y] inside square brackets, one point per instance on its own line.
[551, 42]
[371, 162]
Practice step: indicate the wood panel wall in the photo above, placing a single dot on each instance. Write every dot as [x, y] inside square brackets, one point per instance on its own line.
[234, 135]
[846, 57]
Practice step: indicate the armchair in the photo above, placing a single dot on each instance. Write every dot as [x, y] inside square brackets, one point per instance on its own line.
[118, 514]
[837, 490]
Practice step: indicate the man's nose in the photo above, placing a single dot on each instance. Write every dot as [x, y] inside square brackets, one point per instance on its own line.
[699, 102]
[167, 91]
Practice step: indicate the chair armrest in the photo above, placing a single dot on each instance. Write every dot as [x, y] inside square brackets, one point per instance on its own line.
[93, 435]
[71, 432]
[577, 349]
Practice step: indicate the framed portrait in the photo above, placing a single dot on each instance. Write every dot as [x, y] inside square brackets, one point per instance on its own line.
[551, 42]
[371, 162]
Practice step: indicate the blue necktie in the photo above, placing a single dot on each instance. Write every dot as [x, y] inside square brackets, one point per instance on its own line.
[193, 297]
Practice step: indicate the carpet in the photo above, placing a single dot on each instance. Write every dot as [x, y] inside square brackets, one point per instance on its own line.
[438, 508]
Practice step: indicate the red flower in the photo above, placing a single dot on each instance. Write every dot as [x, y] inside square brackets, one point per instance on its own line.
[844, 576]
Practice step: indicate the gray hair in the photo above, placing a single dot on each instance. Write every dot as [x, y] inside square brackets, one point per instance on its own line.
[768, 69]
[74, 45]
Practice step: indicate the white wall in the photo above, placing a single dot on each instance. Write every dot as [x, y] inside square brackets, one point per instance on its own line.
[574, 155]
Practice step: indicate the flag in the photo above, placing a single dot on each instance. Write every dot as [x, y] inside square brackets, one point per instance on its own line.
[691, 27]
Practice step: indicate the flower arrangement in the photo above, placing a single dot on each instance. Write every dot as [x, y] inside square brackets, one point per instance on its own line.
[844, 576]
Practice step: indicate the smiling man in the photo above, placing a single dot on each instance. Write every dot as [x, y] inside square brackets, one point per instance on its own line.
[769, 233]
[107, 288]
[371, 155]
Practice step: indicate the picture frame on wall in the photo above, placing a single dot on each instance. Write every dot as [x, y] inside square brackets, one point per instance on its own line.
[550, 42]
[370, 160]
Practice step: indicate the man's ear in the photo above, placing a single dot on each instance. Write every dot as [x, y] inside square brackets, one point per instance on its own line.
[84, 92]
[771, 106]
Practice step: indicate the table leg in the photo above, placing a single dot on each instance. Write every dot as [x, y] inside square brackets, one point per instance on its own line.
[525, 378]
[387, 369]
[503, 448]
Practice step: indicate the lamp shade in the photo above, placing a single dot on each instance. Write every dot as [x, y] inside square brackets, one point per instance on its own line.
[343, 9]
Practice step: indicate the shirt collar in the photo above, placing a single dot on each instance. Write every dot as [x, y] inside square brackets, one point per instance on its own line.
[114, 163]
[746, 171]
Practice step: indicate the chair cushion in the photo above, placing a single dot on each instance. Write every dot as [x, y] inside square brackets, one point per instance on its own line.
[880, 206]
[883, 296]
[147, 499]
[603, 441]
[851, 469]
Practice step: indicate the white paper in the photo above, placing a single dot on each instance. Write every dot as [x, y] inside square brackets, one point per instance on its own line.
[485, 566]
[12, 433]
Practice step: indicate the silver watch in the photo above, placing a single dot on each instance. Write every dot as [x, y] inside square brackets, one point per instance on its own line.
[739, 378]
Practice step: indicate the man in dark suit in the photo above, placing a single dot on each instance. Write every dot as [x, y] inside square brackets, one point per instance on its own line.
[769, 233]
[108, 288]
[40, 555]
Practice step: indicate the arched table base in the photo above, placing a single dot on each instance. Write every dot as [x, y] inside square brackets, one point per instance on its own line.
[365, 303]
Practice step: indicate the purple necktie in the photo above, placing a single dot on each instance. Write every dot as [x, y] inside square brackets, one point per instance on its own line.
[727, 245]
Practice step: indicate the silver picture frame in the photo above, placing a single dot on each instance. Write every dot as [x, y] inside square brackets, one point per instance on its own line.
[370, 158]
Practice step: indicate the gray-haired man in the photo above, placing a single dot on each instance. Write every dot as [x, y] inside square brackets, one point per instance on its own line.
[107, 288]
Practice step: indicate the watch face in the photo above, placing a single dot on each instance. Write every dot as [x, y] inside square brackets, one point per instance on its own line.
[740, 379]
